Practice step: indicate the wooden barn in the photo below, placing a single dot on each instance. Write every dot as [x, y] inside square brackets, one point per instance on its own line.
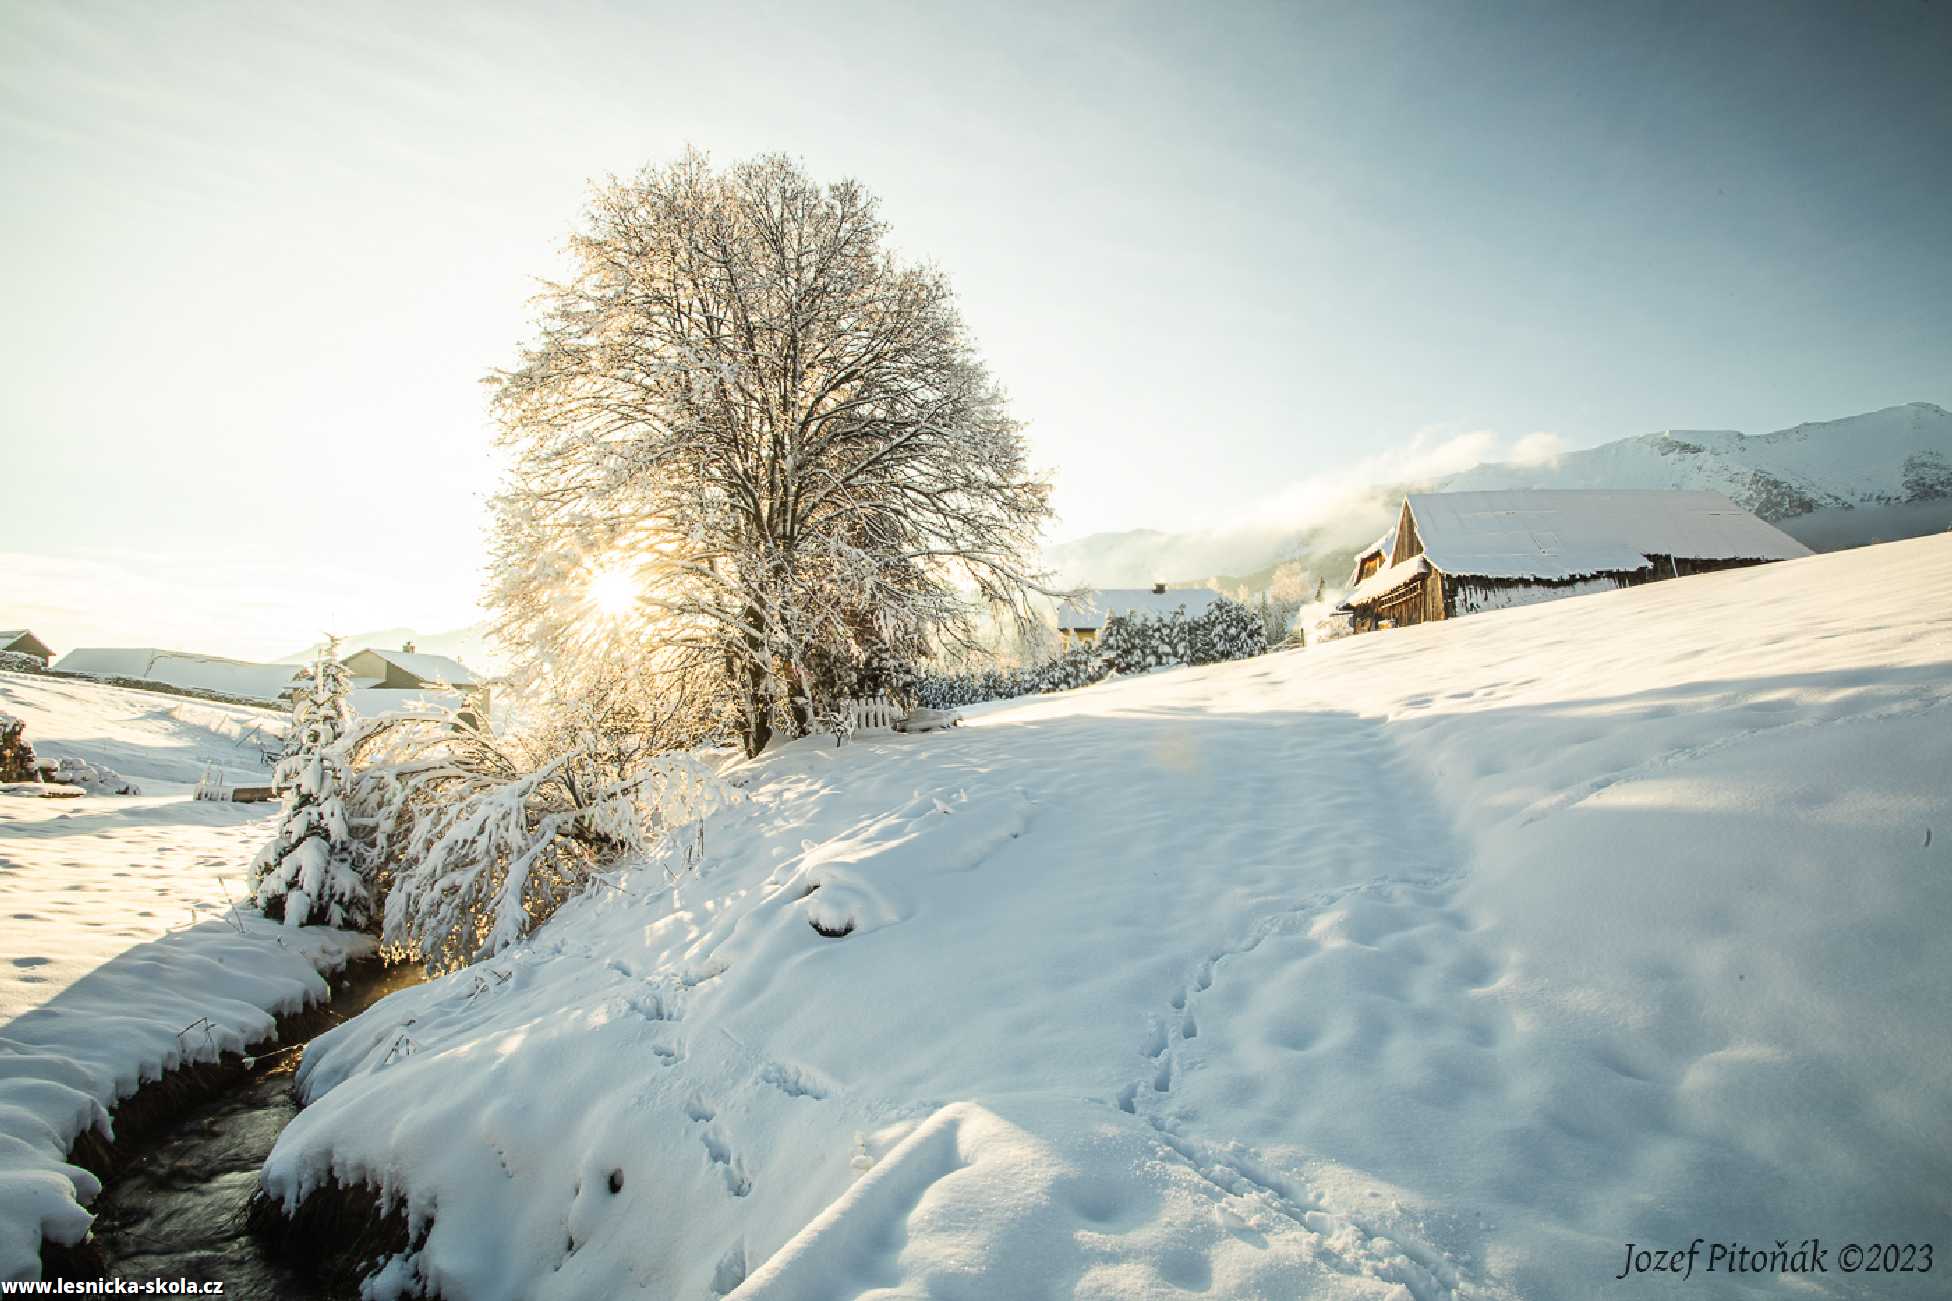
[22, 641]
[1456, 553]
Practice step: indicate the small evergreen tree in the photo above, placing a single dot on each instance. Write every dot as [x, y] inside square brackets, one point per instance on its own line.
[1137, 643]
[1227, 631]
[308, 873]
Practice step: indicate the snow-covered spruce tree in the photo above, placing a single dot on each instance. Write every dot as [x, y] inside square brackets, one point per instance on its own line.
[749, 438]
[1139, 642]
[307, 872]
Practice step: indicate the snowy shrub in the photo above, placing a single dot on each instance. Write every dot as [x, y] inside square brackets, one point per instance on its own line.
[475, 842]
[16, 662]
[1228, 631]
[308, 873]
[93, 778]
[1079, 668]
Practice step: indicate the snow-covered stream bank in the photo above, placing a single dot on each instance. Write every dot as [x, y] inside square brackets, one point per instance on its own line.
[176, 1205]
[123, 959]
[1440, 963]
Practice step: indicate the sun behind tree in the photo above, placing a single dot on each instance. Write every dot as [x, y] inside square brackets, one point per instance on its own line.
[778, 438]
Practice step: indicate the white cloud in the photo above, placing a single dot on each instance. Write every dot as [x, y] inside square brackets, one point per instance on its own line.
[1541, 448]
[1347, 506]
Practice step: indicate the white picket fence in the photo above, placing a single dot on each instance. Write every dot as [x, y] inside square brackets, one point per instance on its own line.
[875, 713]
[211, 785]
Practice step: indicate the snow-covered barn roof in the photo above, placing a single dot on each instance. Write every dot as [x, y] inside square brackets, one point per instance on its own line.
[428, 668]
[1564, 534]
[1385, 581]
[180, 669]
[1127, 602]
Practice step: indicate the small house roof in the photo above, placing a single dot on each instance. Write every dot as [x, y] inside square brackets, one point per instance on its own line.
[23, 639]
[1126, 602]
[1555, 535]
[428, 668]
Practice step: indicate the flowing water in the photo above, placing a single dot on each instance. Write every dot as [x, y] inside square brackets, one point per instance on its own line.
[175, 1209]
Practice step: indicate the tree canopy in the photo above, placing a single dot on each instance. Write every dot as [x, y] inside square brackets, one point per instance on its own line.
[752, 451]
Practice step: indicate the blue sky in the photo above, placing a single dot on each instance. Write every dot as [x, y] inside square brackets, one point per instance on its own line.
[258, 257]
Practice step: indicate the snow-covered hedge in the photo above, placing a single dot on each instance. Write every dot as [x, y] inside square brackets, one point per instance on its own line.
[1227, 631]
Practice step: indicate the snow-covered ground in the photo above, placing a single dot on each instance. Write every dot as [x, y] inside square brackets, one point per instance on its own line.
[1442, 962]
[160, 742]
[120, 954]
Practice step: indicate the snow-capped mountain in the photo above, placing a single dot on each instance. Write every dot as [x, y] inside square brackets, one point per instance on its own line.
[1900, 457]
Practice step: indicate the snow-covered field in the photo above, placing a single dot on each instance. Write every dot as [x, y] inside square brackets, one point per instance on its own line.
[160, 742]
[1443, 962]
[120, 954]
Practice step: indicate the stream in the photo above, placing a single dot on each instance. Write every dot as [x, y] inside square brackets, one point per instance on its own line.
[175, 1209]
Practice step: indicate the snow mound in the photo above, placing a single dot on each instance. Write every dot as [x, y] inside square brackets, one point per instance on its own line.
[93, 778]
[1438, 964]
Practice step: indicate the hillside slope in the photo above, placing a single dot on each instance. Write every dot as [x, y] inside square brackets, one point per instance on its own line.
[1439, 963]
[163, 742]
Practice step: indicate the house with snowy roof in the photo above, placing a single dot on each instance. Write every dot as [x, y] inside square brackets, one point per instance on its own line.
[406, 669]
[22, 641]
[385, 681]
[1456, 553]
[1083, 621]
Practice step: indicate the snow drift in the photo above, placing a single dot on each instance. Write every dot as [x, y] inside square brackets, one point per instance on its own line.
[1439, 963]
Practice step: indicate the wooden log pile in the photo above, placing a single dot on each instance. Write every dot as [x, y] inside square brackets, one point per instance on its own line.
[17, 763]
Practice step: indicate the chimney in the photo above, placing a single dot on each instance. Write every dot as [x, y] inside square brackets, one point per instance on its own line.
[1158, 589]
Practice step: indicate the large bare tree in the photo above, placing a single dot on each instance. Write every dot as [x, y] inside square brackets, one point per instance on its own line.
[750, 450]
